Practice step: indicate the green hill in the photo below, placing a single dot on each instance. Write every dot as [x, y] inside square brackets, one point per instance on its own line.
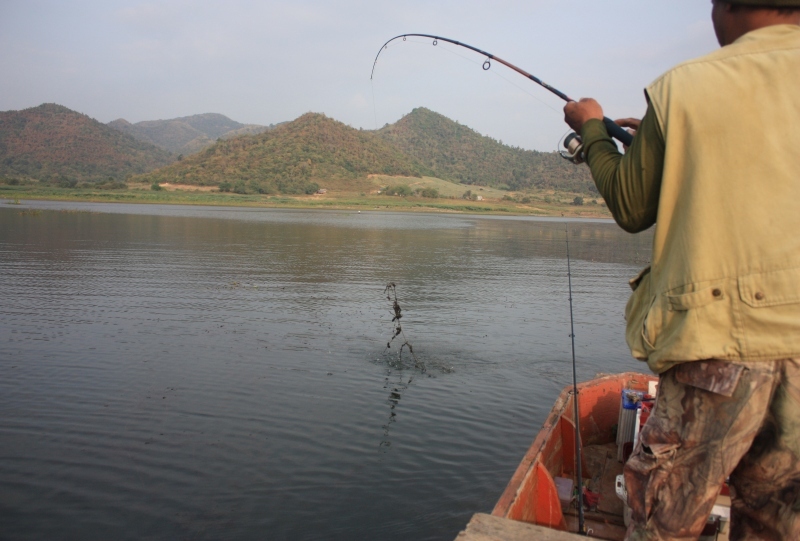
[315, 150]
[457, 153]
[53, 143]
[296, 157]
[189, 134]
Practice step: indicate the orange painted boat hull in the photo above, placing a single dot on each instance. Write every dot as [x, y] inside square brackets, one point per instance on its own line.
[531, 495]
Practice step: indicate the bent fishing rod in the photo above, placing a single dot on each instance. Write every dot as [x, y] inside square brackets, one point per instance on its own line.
[572, 142]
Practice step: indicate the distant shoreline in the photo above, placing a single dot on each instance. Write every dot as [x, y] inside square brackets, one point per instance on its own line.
[331, 201]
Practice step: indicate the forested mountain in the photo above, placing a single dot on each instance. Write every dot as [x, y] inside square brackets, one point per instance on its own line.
[295, 157]
[189, 134]
[458, 153]
[53, 143]
[316, 150]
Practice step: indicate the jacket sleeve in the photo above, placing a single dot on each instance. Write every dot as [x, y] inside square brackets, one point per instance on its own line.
[629, 183]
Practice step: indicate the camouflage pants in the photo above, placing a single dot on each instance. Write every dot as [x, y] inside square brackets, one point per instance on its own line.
[712, 420]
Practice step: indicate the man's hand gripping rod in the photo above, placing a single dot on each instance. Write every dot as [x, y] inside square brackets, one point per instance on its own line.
[572, 142]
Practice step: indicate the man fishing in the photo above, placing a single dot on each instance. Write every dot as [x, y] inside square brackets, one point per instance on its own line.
[715, 165]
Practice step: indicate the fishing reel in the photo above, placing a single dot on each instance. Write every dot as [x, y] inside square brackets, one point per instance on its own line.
[574, 148]
[574, 144]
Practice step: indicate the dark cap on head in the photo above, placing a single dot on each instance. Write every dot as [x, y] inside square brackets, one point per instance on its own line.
[766, 3]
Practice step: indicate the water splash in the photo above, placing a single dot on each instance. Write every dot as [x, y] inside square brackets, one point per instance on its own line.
[391, 295]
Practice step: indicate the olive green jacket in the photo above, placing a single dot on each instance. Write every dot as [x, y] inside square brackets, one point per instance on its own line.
[716, 167]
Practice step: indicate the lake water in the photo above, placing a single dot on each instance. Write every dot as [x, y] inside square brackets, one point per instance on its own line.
[211, 373]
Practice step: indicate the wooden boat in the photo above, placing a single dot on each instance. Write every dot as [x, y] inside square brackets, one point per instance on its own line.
[533, 507]
[530, 507]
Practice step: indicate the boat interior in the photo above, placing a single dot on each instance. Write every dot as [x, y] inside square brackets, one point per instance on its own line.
[542, 492]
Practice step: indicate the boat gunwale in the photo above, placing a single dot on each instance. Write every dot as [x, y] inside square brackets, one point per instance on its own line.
[560, 410]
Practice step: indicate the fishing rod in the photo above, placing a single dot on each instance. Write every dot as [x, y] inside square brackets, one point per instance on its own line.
[572, 142]
[581, 524]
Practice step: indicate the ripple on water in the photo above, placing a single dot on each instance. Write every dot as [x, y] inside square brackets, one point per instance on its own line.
[173, 372]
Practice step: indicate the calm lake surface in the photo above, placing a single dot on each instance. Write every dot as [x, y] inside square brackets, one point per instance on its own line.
[213, 373]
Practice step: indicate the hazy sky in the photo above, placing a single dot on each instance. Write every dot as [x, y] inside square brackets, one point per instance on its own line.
[269, 61]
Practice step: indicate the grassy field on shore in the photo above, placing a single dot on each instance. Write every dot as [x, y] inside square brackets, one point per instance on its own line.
[543, 203]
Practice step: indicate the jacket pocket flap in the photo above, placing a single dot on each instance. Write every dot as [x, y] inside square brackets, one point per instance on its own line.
[636, 280]
[770, 288]
[695, 299]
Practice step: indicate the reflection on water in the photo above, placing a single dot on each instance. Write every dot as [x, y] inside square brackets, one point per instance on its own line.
[396, 384]
[181, 372]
